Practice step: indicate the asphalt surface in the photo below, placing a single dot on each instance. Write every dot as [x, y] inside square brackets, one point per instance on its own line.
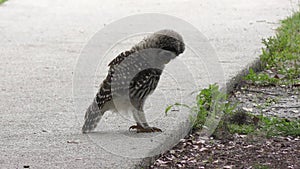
[43, 43]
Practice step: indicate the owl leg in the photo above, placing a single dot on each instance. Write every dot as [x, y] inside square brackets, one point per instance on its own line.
[141, 123]
[92, 116]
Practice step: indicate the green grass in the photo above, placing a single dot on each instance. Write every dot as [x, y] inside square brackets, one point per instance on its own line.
[241, 128]
[210, 103]
[274, 126]
[267, 126]
[2, 1]
[261, 166]
[280, 56]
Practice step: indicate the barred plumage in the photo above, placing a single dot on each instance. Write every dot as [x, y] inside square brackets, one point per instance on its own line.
[133, 75]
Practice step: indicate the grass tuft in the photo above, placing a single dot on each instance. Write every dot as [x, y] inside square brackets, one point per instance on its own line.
[280, 56]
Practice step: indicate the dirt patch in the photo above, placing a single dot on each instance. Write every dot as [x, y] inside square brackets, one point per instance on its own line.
[276, 101]
[241, 152]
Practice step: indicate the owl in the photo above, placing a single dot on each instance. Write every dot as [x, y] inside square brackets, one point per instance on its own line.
[132, 76]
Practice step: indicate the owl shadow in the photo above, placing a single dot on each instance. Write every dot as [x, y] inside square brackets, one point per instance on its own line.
[122, 133]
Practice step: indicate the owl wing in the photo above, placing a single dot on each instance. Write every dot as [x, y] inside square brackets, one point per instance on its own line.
[142, 85]
[104, 94]
[132, 75]
[120, 58]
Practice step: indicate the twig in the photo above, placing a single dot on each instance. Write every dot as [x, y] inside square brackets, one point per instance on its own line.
[285, 107]
[264, 92]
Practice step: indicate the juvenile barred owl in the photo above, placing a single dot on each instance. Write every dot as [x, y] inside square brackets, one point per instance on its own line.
[133, 75]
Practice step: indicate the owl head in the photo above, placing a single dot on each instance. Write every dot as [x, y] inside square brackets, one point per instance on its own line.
[165, 39]
[168, 40]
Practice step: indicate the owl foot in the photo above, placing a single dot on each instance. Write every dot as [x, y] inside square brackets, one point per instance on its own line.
[140, 129]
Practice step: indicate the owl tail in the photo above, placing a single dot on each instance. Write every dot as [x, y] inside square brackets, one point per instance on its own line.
[92, 116]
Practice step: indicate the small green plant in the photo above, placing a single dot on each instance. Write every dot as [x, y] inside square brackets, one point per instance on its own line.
[241, 129]
[261, 78]
[269, 126]
[274, 126]
[261, 166]
[176, 104]
[211, 103]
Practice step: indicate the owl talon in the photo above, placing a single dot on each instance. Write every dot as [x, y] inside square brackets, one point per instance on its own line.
[133, 127]
[140, 129]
